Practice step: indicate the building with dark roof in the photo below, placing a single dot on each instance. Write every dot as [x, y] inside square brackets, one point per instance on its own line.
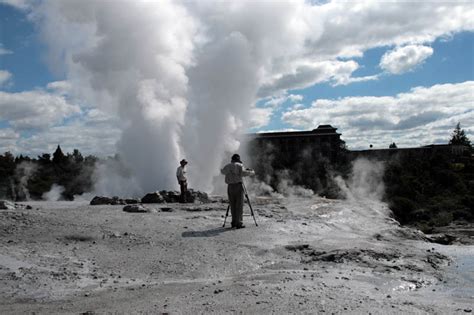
[289, 146]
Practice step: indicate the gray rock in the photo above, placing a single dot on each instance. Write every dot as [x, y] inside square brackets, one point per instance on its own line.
[117, 201]
[137, 209]
[170, 196]
[441, 238]
[154, 197]
[201, 196]
[99, 200]
[7, 205]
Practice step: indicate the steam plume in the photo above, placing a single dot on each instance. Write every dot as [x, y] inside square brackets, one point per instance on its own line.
[365, 181]
[54, 194]
[181, 76]
[23, 172]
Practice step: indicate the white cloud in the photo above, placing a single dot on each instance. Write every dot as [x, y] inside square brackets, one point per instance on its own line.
[279, 130]
[34, 109]
[8, 134]
[8, 140]
[306, 74]
[98, 140]
[5, 77]
[276, 101]
[60, 87]
[404, 59]
[350, 27]
[4, 51]
[295, 97]
[19, 4]
[347, 29]
[297, 106]
[92, 133]
[260, 117]
[419, 117]
[345, 80]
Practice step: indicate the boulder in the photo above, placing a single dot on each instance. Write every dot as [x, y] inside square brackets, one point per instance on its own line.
[201, 196]
[117, 201]
[170, 196]
[100, 200]
[154, 197]
[137, 209]
[165, 196]
[441, 238]
[7, 205]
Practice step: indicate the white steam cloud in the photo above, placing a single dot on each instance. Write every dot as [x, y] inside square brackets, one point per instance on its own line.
[54, 194]
[365, 181]
[23, 172]
[182, 77]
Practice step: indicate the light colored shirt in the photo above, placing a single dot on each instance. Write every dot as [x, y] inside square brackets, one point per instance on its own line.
[234, 172]
[181, 173]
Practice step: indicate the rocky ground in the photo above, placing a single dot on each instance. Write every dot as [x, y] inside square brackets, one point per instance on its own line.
[307, 255]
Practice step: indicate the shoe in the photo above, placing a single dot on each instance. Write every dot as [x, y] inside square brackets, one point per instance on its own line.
[240, 226]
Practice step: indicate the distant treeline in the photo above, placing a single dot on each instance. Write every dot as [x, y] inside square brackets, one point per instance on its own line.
[23, 178]
[429, 192]
[433, 191]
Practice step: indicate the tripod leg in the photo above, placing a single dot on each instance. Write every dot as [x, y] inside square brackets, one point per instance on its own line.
[251, 210]
[226, 214]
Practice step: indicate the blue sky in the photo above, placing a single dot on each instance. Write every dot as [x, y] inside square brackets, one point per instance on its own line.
[26, 61]
[375, 85]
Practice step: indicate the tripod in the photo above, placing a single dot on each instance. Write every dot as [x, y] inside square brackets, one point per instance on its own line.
[250, 205]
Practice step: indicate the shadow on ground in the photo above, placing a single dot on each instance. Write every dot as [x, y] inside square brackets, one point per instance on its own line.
[206, 233]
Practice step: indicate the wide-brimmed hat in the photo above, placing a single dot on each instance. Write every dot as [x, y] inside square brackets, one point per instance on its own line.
[236, 158]
[183, 161]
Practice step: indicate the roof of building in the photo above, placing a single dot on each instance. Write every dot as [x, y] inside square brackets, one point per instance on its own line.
[322, 130]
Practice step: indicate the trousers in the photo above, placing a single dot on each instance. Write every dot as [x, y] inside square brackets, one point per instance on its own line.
[235, 193]
[183, 185]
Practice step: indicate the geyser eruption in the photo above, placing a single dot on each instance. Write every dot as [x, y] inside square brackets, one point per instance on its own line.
[181, 76]
[130, 59]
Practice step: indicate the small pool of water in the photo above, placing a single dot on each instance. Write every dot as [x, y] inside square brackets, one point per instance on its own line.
[460, 275]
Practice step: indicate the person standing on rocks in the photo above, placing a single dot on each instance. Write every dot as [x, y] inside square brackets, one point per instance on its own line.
[234, 171]
[182, 180]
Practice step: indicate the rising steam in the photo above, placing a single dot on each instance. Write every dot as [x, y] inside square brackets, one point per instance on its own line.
[181, 76]
[54, 194]
[364, 182]
[23, 172]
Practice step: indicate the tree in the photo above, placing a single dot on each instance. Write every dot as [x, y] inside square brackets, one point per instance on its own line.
[77, 156]
[45, 158]
[392, 146]
[58, 156]
[459, 137]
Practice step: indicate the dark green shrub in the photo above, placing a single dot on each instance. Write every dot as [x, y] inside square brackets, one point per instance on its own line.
[402, 208]
[442, 219]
